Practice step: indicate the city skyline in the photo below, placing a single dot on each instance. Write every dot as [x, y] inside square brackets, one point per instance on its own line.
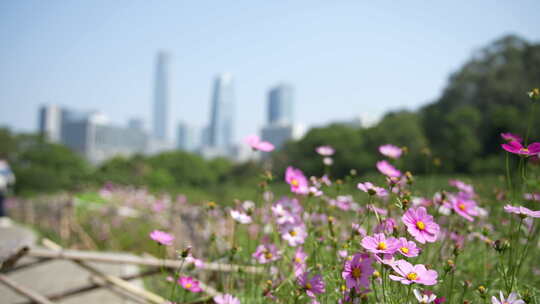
[363, 59]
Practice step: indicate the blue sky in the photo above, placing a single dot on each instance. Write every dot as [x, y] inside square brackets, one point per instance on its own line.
[344, 58]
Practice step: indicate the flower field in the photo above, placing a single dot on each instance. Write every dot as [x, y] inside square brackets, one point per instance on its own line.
[390, 238]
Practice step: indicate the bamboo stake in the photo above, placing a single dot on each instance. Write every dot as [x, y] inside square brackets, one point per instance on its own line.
[24, 291]
[116, 281]
[146, 261]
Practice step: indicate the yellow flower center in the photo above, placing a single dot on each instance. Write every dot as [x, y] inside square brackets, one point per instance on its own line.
[461, 206]
[268, 255]
[381, 246]
[420, 225]
[526, 150]
[357, 272]
[404, 249]
[308, 285]
[188, 285]
[412, 276]
[292, 233]
[298, 260]
[294, 182]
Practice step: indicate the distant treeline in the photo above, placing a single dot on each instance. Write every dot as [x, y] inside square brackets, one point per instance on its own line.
[457, 133]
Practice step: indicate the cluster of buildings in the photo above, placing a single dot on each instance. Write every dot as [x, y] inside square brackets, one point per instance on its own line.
[92, 135]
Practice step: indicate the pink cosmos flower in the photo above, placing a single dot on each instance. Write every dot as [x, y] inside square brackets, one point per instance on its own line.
[424, 297]
[380, 244]
[256, 144]
[325, 150]
[532, 196]
[241, 217]
[296, 179]
[313, 286]
[299, 261]
[522, 211]
[512, 299]
[409, 274]
[328, 161]
[266, 253]
[161, 237]
[421, 225]
[357, 271]
[387, 169]
[386, 226]
[390, 151]
[511, 137]
[463, 187]
[465, 207]
[408, 248]
[372, 189]
[226, 299]
[294, 234]
[190, 284]
[516, 148]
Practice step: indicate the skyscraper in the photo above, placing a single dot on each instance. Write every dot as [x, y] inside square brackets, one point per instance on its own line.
[50, 122]
[220, 135]
[161, 98]
[280, 105]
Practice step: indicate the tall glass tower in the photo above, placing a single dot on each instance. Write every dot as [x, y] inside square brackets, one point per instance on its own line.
[161, 98]
[220, 133]
[280, 105]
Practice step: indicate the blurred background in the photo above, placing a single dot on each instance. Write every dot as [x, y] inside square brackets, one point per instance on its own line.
[162, 94]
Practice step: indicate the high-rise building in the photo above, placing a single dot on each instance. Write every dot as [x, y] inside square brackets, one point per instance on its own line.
[188, 138]
[279, 134]
[220, 135]
[50, 122]
[136, 124]
[280, 105]
[161, 98]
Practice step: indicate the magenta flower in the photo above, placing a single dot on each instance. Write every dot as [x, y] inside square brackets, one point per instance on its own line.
[371, 189]
[240, 217]
[325, 150]
[409, 274]
[512, 299]
[408, 248]
[516, 148]
[266, 253]
[294, 234]
[313, 286]
[421, 225]
[357, 271]
[256, 144]
[509, 137]
[465, 207]
[387, 169]
[380, 244]
[190, 284]
[296, 179]
[161, 237]
[390, 151]
[522, 211]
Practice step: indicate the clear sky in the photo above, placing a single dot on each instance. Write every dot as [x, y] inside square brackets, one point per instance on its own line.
[344, 58]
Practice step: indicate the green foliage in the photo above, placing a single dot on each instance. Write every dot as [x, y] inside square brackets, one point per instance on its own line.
[45, 167]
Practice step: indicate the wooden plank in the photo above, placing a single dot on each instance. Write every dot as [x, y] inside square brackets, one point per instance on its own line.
[24, 291]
